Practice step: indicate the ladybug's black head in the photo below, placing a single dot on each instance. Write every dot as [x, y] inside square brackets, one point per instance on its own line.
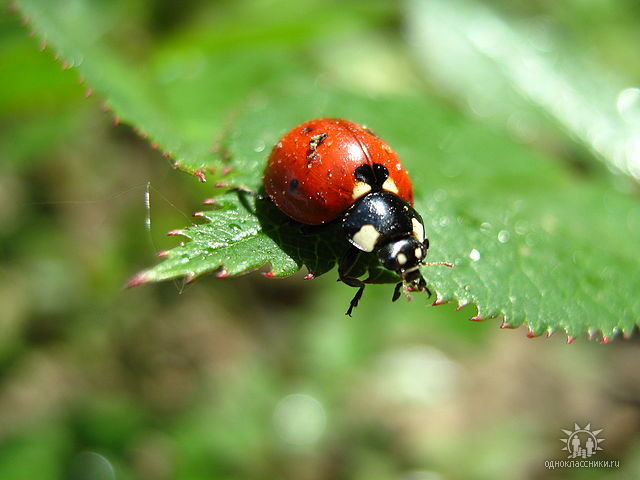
[404, 257]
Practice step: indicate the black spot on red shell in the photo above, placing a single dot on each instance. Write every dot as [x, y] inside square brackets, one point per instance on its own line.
[375, 176]
[293, 184]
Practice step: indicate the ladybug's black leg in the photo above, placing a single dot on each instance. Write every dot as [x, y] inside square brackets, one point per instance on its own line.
[347, 263]
[356, 298]
[396, 292]
[422, 285]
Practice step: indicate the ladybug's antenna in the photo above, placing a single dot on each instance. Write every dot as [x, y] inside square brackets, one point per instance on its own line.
[432, 264]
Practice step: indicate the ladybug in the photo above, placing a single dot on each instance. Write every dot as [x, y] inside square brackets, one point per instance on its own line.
[331, 169]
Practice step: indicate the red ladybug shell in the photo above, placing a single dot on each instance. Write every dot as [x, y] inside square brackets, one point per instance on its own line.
[311, 177]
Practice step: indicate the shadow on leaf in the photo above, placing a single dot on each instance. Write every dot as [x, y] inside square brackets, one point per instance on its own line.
[316, 247]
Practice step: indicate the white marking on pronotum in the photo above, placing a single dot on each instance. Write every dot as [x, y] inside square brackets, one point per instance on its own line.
[365, 239]
[402, 259]
[360, 189]
[418, 253]
[418, 229]
[390, 186]
[147, 207]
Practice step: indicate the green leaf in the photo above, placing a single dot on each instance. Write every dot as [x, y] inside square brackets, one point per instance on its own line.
[242, 233]
[532, 241]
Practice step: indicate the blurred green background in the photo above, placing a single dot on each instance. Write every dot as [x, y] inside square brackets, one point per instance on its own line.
[251, 378]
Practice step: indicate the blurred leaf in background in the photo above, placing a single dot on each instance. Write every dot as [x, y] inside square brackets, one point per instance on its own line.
[257, 378]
